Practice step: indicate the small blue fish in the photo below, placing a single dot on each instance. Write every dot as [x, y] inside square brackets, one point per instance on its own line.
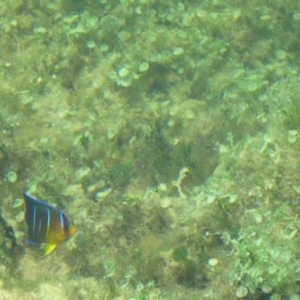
[46, 224]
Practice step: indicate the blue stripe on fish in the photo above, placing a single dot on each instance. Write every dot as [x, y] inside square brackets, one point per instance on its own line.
[48, 220]
[33, 219]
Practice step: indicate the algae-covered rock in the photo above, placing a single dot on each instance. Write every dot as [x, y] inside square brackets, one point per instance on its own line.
[167, 131]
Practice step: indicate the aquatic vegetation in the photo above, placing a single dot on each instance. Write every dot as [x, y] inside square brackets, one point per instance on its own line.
[169, 131]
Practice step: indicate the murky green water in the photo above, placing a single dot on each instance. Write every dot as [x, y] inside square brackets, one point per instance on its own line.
[167, 132]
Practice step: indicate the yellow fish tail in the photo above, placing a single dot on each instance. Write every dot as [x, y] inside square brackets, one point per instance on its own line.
[49, 248]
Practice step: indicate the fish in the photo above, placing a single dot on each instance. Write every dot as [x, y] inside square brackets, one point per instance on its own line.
[47, 225]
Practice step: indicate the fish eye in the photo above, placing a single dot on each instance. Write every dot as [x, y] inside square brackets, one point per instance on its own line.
[66, 225]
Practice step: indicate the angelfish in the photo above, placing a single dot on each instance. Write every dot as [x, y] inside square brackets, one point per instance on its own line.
[46, 224]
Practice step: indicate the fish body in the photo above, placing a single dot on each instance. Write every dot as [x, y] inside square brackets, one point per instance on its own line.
[46, 224]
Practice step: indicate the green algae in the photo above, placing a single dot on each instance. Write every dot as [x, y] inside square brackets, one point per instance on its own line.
[169, 133]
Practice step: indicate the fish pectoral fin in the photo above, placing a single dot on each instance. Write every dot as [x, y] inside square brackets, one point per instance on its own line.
[49, 248]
